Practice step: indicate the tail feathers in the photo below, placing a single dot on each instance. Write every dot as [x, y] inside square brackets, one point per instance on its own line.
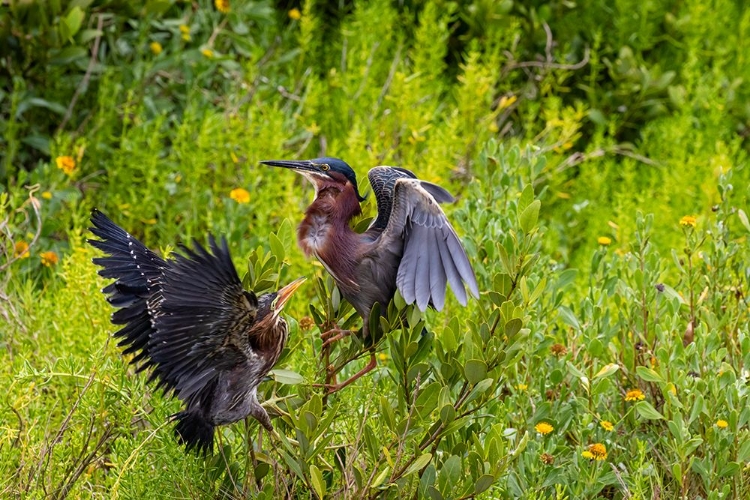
[195, 431]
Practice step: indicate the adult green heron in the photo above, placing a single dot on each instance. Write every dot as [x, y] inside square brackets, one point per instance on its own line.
[410, 246]
[205, 338]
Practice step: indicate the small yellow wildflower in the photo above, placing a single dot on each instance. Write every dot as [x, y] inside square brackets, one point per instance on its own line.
[598, 450]
[506, 101]
[634, 395]
[156, 48]
[547, 459]
[543, 428]
[722, 424]
[522, 387]
[295, 14]
[21, 249]
[383, 357]
[306, 323]
[47, 195]
[222, 6]
[688, 221]
[604, 241]
[66, 163]
[49, 258]
[207, 52]
[240, 195]
[185, 32]
[587, 454]
[607, 425]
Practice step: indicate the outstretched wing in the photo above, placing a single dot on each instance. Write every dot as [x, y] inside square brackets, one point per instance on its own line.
[432, 253]
[203, 321]
[136, 291]
[383, 183]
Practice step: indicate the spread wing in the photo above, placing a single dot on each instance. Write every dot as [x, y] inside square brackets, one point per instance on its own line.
[432, 253]
[137, 271]
[203, 322]
[383, 183]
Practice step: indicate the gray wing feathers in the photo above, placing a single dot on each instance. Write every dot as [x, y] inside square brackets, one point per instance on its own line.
[433, 255]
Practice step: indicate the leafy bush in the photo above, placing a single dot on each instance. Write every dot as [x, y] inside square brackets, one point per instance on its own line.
[599, 156]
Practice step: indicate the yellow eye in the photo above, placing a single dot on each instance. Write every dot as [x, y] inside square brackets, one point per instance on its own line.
[324, 167]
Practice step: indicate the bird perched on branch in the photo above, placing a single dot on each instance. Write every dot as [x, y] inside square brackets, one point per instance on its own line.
[410, 246]
[190, 322]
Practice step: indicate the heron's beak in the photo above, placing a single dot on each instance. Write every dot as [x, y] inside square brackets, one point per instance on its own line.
[283, 295]
[312, 171]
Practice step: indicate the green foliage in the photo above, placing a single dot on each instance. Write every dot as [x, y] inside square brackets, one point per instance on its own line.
[608, 353]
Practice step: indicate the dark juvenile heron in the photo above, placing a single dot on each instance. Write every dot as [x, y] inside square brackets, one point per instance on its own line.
[410, 246]
[189, 320]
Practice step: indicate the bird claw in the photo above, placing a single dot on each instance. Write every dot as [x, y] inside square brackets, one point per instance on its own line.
[330, 338]
[331, 388]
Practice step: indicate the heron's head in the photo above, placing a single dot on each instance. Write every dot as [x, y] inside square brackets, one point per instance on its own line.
[270, 305]
[324, 173]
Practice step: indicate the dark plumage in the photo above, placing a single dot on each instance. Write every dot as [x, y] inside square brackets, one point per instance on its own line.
[410, 246]
[190, 322]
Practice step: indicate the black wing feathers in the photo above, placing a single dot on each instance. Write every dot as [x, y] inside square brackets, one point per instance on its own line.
[137, 271]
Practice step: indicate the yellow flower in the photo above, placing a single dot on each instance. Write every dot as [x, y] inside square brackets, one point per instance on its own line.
[598, 451]
[688, 221]
[722, 424]
[506, 101]
[207, 52]
[66, 163]
[634, 395]
[543, 428]
[295, 14]
[222, 6]
[49, 258]
[604, 241]
[607, 425]
[383, 357]
[47, 195]
[240, 195]
[522, 387]
[21, 249]
[156, 48]
[587, 454]
[185, 32]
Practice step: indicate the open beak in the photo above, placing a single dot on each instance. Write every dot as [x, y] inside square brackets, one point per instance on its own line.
[283, 295]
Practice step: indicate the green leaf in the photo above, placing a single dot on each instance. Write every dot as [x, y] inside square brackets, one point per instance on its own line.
[526, 199]
[71, 23]
[743, 218]
[286, 377]
[475, 370]
[568, 317]
[648, 374]
[277, 247]
[483, 483]
[607, 370]
[529, 216]
[316, 478]
[420, 462]
[381, 477]
[647, 411]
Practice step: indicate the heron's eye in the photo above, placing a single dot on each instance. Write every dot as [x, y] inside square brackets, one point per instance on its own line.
[324, 167]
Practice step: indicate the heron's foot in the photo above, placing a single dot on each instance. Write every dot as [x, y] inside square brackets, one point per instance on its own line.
[331, 388]
[334, 335]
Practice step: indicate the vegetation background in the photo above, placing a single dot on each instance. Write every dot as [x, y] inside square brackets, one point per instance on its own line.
[599, 152]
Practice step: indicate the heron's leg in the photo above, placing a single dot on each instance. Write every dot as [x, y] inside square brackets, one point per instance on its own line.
[331, 388]
[257, 411]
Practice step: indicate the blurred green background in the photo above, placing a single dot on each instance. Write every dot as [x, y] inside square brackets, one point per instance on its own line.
[622, 117]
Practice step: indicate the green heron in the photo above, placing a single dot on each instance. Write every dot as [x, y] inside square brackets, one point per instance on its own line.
[204, 337]
[410, 246]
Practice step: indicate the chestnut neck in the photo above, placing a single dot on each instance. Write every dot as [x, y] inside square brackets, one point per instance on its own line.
[329, 215]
